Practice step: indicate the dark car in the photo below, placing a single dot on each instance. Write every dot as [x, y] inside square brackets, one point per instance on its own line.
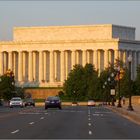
[53, 102]
[29, 102]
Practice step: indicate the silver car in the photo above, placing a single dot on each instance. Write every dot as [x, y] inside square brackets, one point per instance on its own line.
[16, 101]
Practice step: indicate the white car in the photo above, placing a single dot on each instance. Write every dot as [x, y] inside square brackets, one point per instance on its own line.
[91, 103]
[16, 101]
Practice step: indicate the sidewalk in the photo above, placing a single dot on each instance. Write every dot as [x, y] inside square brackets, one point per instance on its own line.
[131, 115]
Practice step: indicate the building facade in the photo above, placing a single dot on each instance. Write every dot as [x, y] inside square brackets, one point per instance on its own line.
[43, 56]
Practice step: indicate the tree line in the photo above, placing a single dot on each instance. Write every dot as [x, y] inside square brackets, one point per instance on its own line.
[84, 83]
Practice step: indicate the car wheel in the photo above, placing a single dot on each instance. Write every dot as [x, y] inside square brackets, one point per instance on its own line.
[60, 107]
[46, 107]
[11, 107]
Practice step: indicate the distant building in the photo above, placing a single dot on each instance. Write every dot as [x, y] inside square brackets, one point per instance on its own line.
[43, 56]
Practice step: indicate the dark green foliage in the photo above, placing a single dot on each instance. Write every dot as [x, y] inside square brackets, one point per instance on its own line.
[8, 89]
[124, 84]
[81, 83]
[137, 82]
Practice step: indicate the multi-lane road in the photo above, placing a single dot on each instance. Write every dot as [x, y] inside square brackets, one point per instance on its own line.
[71, 122]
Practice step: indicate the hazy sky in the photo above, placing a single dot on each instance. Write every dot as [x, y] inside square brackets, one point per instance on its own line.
[49, 13]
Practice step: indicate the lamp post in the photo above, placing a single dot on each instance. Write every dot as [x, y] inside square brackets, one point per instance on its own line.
[104, 97]
[119, 102]
[113, 89]
[130, 108]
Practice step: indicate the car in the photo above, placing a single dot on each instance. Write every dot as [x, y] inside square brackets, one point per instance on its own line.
[91, 103]
[16, 101]
[53, 102]
[29, 102]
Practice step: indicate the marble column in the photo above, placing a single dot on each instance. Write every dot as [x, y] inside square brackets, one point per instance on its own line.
[45, 66]
[88, 57]
[10, 60]
[55, 65]
[105, 59]
[20, 66]
[51, 67]
[66, 64]
[73, 58]
[30, 70]
[40, 66]
[84, 58]
[62, 78]
[109, 57]
[125, 57]
[116, 55]
[96, 59]
[77, 57]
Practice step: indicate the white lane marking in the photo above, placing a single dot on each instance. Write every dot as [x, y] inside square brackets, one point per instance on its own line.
[15, 131]
[41, 118]
[90, 132]
[97, 114]
[31, 123]
[89, 115]
[45, 113]
[89, 124]
[30, 113]
[89, 119]
[103, 112]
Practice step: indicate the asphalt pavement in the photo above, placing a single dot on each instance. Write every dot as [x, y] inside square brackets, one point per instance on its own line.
[72, 122]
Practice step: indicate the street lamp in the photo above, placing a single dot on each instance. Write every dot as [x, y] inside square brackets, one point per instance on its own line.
[104, 96]
[118, 73]
[113, 89]
[130, 108]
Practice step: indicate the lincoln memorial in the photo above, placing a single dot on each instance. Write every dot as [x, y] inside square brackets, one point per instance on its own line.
[43, 56]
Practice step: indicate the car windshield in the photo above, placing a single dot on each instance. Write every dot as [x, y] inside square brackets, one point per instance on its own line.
[53, 98]
[16, 99]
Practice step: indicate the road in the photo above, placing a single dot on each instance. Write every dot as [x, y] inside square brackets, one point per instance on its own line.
[78, 122]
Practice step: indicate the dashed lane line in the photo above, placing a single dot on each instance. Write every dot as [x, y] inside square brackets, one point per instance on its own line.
[31, 123]
[90, 132]
[89, 124]
[15, 131]
[41, 118]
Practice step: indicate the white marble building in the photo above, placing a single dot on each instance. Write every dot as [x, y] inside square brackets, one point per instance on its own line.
[43, 56]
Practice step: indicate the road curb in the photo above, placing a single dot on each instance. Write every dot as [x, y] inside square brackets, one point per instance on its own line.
[127, 114]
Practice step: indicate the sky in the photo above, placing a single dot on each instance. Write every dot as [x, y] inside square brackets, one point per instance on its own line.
[51, 13]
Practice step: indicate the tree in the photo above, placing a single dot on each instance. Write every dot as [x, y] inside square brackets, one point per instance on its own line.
[7, 86]
[137, 81]
[91, 81]
[81, 82]
[74, 85]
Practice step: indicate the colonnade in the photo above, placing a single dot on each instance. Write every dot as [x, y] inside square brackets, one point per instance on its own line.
[54, 65]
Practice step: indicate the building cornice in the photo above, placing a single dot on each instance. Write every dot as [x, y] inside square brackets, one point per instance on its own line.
[71, 26]
[56, 42]
[129, 41]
